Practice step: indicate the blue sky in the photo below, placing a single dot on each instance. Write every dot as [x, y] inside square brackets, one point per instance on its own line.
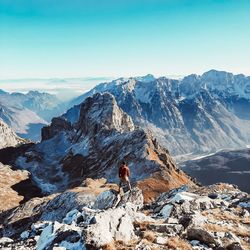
[82, 38]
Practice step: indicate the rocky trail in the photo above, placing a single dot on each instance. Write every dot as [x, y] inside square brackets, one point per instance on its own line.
[95, 216]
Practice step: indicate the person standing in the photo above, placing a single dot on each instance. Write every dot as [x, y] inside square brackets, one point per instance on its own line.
[124, 174]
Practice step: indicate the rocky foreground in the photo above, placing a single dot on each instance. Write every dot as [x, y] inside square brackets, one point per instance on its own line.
[94, 216]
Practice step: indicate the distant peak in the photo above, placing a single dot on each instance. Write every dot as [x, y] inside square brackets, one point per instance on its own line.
[192, 77]
[2, 92]
[216, 73]
[146, 78]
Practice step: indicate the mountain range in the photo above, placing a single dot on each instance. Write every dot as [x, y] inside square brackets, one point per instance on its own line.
[189, 116]
[62, 190]
[27, 113]
[193, 115]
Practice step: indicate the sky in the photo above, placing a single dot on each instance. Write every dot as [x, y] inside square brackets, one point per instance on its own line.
[113, 38]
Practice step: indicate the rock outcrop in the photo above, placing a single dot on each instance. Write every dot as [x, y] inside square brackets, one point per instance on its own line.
[183, 218]
[8, 196]
[8, 137]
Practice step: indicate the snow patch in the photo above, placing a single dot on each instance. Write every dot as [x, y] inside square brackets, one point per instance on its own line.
[46, 238]
[166, 211]
[72, 246]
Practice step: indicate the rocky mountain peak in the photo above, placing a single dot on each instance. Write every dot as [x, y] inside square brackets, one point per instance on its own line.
[99, 112]
[93, 147]
[102, 112]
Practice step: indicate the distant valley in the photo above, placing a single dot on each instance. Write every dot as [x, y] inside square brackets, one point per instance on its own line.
[27, 113]
[225, 166]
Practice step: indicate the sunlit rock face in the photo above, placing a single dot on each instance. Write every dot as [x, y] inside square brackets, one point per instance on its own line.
[8, 137]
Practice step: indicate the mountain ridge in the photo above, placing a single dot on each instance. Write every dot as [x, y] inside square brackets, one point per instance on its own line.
[93, 146]
[165, 106]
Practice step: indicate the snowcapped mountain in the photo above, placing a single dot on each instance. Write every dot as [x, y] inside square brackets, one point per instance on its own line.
[27, 113]
[196, 114]
[43, 104]
[8, 138]
[93, 146]
[23, 121]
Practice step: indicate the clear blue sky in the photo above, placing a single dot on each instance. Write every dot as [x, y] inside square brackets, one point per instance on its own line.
[73, 38]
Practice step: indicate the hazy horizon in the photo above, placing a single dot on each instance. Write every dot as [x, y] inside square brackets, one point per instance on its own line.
[66, 88]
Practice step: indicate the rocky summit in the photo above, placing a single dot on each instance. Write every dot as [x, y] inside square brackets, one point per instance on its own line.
[95, 216]
[93, 147]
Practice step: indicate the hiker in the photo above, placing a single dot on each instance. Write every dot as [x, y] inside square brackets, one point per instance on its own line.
[124, 174]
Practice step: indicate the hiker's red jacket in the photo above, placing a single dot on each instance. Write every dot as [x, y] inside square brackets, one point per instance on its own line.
[124, 171]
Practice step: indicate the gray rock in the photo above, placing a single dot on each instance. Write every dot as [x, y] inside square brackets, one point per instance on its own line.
[57, 233]
[112, 224]
[134, 197]
[160, 240]
[171, 220]
[171, 229]
[167, 195]
[57, 208]
[213, 196]
[166, 211]
[5, 240]
[106, 199]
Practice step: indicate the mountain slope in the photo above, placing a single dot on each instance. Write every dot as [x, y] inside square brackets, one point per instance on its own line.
[193, 115]
[8, 196]
[8, 138]
[94, 146]
[27, 113]
[44, 105]
[23, 121]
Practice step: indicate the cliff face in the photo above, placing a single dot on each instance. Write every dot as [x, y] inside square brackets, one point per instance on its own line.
[8, 137]
[93, 146]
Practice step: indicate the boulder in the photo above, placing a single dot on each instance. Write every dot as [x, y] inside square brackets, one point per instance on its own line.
[106, 199]
[112, 224]
[160, 240]
[57, 208]
[60, 234]
[167, 195]
[200, 235]
[71, 216]
[166, 211]
[134, 197]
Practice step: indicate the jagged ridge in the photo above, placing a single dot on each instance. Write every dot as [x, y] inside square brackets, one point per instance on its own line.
[93, 146]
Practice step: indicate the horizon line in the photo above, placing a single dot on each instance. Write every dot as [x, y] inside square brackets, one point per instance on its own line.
[92, 78]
